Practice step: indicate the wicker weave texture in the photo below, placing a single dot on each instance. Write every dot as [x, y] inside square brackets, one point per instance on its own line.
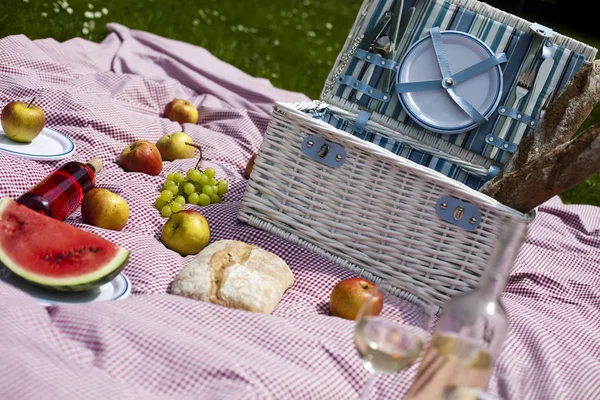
[375, 214]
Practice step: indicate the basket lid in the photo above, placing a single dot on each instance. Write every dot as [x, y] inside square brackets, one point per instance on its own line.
[460, 75]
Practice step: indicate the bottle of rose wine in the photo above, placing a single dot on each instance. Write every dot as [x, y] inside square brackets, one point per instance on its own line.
[471, 329]
[61, 192]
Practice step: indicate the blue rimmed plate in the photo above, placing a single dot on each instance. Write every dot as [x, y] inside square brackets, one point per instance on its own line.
[117, 289]
[48, 145]
[434, 109]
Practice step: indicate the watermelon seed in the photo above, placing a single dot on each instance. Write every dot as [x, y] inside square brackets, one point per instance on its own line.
[91, 249]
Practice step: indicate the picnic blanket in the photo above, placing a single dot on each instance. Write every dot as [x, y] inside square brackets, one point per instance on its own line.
[154, 345]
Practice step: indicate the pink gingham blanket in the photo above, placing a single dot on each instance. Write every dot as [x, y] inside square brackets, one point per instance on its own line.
[157, 346]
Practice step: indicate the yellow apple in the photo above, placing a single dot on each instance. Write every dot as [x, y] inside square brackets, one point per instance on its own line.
[22, 122]
[104, 209]
[172, 146]
[181, 111]
[186, 232]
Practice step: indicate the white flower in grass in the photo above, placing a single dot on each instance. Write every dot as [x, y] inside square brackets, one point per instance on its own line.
[44, 14]
[86, 24]
[195, 22]
[311, 34]
[329, 25]
[56, 9]
[253, 30]
[90, 6]
[276, 42]
[70, 10]
[274, 75]
[215, 13]
[105, 11]
[223, 18]
[25, 1]
[89, 14]
[85, 31]
[98, 14]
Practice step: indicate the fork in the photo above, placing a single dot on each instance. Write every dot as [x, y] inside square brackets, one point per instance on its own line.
[523, 87]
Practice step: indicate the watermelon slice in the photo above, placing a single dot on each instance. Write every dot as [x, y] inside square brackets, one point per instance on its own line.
[54, 254]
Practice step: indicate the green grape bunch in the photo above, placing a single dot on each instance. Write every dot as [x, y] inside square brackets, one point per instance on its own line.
[196, 187]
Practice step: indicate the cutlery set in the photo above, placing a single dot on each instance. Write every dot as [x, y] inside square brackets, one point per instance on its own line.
[529, 86]
[384, 40]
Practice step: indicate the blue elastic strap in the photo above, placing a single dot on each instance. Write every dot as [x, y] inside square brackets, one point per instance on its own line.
[361, 121]
[375, 59]
[518, 115]
[478, 68]
[447, 83]
[363, 87]
[492, 172]
[500, 143]
[457, 78]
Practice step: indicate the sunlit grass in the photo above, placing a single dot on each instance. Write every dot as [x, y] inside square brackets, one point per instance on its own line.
[293, 43]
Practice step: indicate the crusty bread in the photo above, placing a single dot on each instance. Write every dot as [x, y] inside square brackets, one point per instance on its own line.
[236, 275]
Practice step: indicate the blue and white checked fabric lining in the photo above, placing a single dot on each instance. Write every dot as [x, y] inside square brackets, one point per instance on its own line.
[501, 38]
[445, 167]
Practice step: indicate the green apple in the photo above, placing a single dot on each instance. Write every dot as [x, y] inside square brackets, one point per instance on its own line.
[172, 146]
[186, 232]
[181, 111]
[104, 209]
[22, 122]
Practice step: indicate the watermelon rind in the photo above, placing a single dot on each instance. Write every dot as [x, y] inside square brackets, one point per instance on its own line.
[86, 282]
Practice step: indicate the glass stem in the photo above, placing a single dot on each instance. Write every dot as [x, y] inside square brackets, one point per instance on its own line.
[368, 387]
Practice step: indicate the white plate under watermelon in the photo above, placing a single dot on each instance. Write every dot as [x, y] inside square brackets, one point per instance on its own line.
[117, 289]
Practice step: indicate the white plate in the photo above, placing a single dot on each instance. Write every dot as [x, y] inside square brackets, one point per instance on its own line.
[117, 289]
[48, 145]
[434, 109]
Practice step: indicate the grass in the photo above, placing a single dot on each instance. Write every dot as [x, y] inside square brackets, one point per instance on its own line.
[293, 43]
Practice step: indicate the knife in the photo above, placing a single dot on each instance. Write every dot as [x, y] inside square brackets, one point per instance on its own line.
[394, 35]
[538, 85]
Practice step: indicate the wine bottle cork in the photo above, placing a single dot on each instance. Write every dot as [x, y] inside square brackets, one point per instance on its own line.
[96, 164]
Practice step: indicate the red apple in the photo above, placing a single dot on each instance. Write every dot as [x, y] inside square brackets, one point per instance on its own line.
[181, 111]
[249, 166]
[141, 156]
[349, 295]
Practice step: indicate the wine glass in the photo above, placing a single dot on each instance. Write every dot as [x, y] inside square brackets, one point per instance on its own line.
[389, 342]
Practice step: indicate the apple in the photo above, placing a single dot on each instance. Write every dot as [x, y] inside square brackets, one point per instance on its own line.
[249, 166]
[104, 209]
[348, 296]
[141, 156]
[22, 122]
[186, 232]
[172, 146]
[181, 111]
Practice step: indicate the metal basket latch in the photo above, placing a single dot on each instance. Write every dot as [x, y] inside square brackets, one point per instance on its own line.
[458, 212]
[325, 152]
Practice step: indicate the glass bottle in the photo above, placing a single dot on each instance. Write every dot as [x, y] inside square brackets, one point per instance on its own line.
[61, 192]
[471, 329]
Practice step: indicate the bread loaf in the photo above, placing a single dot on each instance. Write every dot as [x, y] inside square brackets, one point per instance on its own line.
[236, 275]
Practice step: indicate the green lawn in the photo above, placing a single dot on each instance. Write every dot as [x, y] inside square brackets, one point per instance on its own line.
[291, 42]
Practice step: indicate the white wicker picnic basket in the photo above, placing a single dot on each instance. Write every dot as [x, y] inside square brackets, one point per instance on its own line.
[365, 207]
